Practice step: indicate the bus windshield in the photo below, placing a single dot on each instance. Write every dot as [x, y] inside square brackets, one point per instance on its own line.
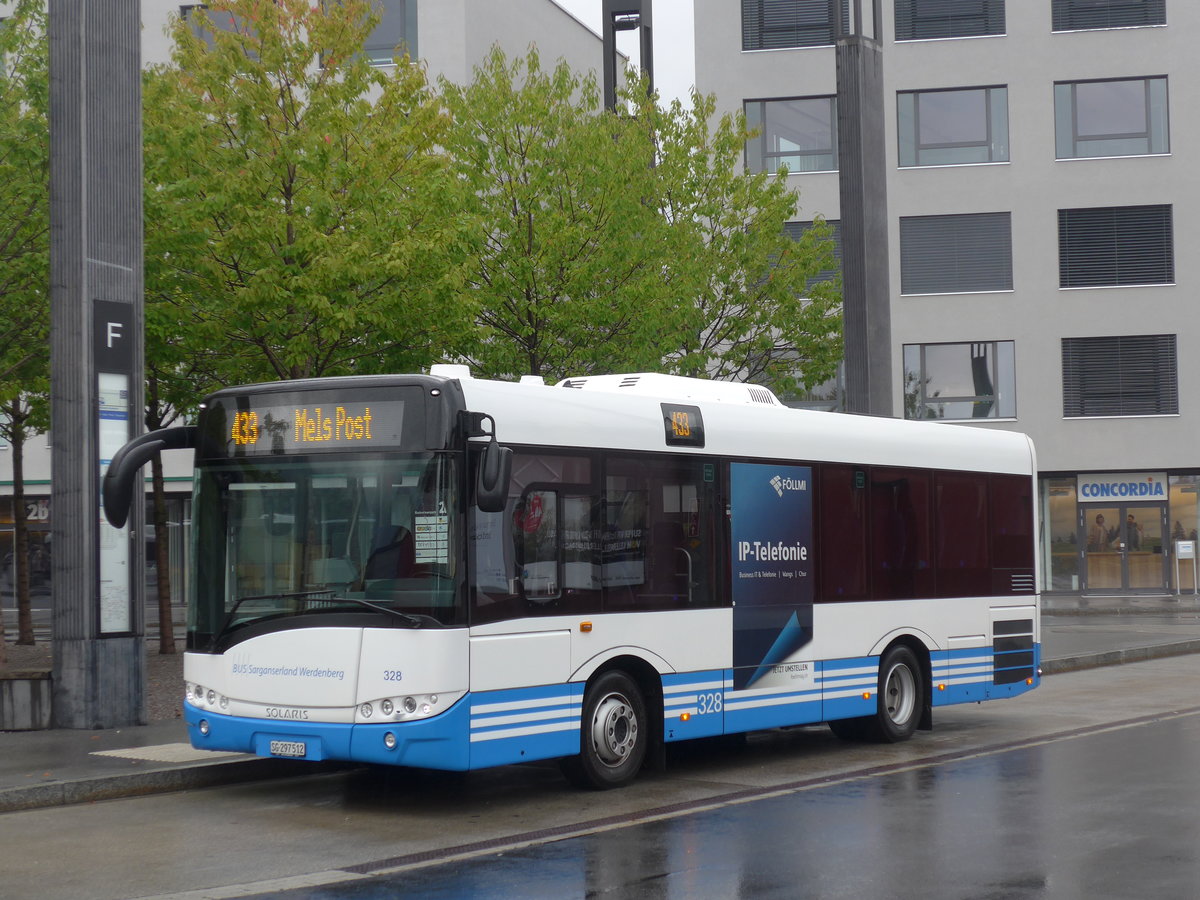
[324, 534]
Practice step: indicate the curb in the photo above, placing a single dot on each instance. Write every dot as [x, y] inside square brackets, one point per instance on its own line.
[1118, 657]
[157, 781]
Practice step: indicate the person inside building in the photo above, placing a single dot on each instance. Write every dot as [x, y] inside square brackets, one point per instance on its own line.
[1098, 537]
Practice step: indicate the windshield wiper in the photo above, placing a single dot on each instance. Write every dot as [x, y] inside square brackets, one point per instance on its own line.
[325, 595]
[228, 623]
[412, 621]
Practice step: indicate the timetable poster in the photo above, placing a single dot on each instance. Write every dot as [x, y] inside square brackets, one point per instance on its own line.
[772, 550]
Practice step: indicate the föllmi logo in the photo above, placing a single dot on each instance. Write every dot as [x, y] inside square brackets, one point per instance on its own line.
[782, 484]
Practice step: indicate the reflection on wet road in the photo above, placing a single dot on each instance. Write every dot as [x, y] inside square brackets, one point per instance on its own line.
[1107, 814]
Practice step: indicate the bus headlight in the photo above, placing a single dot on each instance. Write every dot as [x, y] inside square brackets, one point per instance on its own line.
[406, 709]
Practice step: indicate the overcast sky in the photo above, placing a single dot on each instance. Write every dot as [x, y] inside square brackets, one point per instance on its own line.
[674, 42]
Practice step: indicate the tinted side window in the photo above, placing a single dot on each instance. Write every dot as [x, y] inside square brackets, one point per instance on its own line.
[901, 564]
[541, 556]
[659, 545]
[1012, 522]
[962, 558]
[841, 533]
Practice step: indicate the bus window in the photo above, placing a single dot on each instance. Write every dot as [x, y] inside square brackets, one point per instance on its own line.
[540, 556]
[901, 568]
[658, 544]
[1012, 522]
[535, 528]
[842, 533]
[963, 564]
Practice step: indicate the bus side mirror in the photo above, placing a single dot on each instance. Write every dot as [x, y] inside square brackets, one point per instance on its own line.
[121, 479]
[493, 477]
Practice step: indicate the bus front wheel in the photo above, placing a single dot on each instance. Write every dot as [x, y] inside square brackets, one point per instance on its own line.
[614, 734]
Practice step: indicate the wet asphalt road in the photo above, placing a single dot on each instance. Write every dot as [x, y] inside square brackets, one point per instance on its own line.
[1109, 814]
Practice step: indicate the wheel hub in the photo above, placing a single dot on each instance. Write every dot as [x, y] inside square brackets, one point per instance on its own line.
[614, 730]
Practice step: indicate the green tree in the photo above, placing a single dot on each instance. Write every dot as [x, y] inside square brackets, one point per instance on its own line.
[299, 209]
[569, 278]
[632, 240]
[24, 196]
[754, 303]
[24, 257]
[21, 418]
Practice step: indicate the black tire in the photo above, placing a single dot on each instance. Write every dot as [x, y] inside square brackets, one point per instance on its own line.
[614, 734]
[900, 701]
[901, 697]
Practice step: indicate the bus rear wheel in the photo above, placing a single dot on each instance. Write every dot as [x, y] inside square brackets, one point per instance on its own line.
[614, 734]
[899, 704]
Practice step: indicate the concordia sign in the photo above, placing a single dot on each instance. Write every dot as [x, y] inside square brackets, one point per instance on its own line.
[1123, 486]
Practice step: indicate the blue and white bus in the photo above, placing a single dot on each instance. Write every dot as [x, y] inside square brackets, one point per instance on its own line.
[447, 572]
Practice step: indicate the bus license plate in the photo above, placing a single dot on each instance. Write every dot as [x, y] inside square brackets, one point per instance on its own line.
[288, 748]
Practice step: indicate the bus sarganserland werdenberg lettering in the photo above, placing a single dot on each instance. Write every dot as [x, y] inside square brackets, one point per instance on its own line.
[446, 572]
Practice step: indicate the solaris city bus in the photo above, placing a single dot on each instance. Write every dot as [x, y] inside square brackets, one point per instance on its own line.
[447, 572]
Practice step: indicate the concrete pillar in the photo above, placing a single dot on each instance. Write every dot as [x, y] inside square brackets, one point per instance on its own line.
[862, 163]
[96, 356]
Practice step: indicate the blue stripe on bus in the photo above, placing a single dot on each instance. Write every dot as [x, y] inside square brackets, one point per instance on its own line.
[693, 705]
[525, 724]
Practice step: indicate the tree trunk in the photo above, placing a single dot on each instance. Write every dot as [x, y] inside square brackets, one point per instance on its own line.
[3, 633]
[162, 562]
[21, 539]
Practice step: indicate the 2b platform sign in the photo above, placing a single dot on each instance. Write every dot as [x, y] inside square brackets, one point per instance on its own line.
[112, 347]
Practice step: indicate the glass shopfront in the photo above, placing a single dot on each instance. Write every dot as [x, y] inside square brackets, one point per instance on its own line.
[38, 518]
[1119, 533]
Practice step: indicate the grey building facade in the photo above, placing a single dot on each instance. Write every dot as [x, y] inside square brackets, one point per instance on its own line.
[1041, 204]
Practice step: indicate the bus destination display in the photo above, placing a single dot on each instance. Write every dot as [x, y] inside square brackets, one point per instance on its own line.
[314, 426]
[683, 424]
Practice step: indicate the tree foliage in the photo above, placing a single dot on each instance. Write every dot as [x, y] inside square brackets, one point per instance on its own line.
[569, 277]
[755, 303]
[24, 199]
[24, 261]
[631, 240]
[300, 214]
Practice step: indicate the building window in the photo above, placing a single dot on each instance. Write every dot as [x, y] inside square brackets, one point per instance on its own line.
[1134, 375]
[974, 380]
[956, 254]
[778, 24]
[921, 20]
[1125, 117]
[1073, 15]
[396, 33]
[220, 21]
[1115, 245]
[953, 127]
[799, 133]
[796, 230]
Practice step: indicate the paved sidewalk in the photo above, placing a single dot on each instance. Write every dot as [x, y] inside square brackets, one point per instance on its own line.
[57, 767]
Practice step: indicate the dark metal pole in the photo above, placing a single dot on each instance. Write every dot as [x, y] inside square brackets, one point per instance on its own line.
[96, 357]
[627, 15]
[863, 189]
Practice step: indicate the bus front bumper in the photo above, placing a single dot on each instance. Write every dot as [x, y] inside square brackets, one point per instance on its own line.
[441, 742]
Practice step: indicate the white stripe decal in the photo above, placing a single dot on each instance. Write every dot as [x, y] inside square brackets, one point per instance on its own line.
[786, 700]
[535, 716]
[514, 705]
[477, 736]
